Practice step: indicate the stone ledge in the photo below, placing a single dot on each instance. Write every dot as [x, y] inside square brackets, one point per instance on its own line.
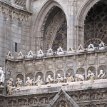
[52, 88]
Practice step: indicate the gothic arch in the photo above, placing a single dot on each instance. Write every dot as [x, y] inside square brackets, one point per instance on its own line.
[41, 22]
[81, 15]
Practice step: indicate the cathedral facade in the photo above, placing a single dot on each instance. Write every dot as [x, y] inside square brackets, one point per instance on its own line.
[53, 53]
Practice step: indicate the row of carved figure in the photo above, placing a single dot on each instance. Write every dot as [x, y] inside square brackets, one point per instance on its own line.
[59, 51]
[50, 80]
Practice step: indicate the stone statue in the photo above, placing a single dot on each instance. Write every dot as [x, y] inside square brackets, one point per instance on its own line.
[30, 54]
[40, 53]
[69, 78]
[39, 81]
[101, 46]
[59, 78]
[29, 82]
[49, 79]
[91, 47]
[19, 82]
[49, 52]
[80, 48]
[60, 51]
[91, 75]
[10, 86]
[79, 77]
[2, 76]
[101, 74]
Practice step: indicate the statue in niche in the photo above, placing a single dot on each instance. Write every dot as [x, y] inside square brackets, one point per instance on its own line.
[40, 53]
[91, 47]
[91, 75]
[102, 74]
[79, 77]
[80, 48]
[60, 51]
[10, 86]
[101, 46]
[69, 77]
[39, 81]
[70, 51]
[19, 82]
[50, 52]
[2, 76]
[29, 82]
[59, 78]
[49, 79]
[30, 54]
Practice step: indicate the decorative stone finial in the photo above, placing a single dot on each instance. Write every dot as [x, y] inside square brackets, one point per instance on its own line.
[20, 55]
[9, 55]
[40, 53]
[80, 48]
[30, 54]
[101, 46]
[70, 51]
[91, 47]
[60, 51]
[49, 52]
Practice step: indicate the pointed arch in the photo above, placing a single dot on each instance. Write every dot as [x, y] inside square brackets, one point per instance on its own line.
[81, 15]
[41, 22]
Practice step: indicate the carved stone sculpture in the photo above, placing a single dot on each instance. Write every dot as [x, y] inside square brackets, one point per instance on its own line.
[49, 52]
[91, 47]
[39, 81]
[40, 53]
[79, 77]
[91, 75]
[10, 86]
[102, 74]
[19, 82]
[69, 78]
[60, 51]
[101, 46]
[59, 78]
[2, 76]
[49, 79]
[29, 82]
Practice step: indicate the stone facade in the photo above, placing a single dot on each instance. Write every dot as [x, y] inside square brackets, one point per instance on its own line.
[72, 73]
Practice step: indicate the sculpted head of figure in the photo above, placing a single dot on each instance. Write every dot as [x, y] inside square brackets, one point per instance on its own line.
[59, 75]
[28, 78]
[39, 76]
[101, 71]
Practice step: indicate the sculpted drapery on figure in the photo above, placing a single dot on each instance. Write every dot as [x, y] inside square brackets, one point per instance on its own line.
[69, 77]
[59, 78]
[101, 74]
[39, 81]
[19, 82]
[10, 86]
[49, 79]
[91, 75]
[29, 82]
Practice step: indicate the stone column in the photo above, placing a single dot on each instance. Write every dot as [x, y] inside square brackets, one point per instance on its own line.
[28, 3]
[70, 27]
